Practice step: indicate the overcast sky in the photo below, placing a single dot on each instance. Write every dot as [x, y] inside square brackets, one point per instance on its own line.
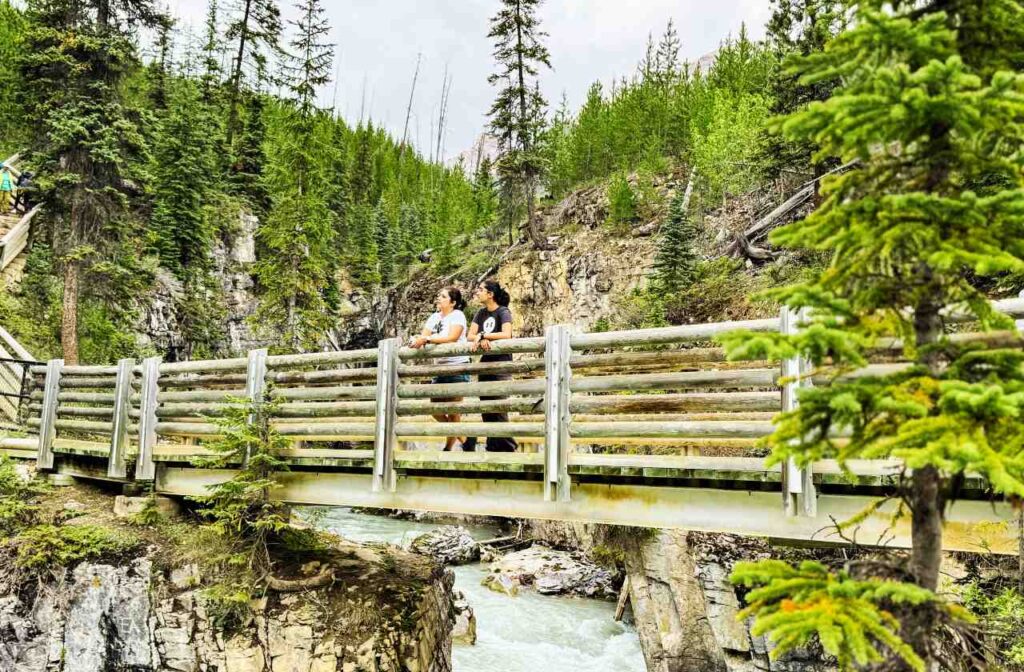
[377, 42]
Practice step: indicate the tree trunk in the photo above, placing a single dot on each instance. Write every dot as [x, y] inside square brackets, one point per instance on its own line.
[537, 236]
[69, 314]
[925, 498]
[926, 526]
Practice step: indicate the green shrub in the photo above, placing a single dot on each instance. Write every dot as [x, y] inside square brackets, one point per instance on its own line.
[229, 604]
[17, 498]
[1002, 615]
[47, 546]
[718, 292]
[642, 309]
[622, 202]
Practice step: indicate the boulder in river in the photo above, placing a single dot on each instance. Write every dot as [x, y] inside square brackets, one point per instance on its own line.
[552, 572]
[464, 630]
[449, 545]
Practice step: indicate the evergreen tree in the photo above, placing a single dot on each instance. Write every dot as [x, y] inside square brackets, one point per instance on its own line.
[364, 262]
[298, 233]
[211, 77]
[485, 195]
[676, 261]
[88, 144]
[411, 224]
[933, 205]
[246, 175]
[798, 28]
[517, 115]
[12, 34]
[159, 71]
[386, 239]
[256, 29]
[184, 167]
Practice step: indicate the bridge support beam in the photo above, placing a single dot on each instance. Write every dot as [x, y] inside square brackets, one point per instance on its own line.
[117, 466]
[384, 437]
[48, 415]
[145, 468]
[799, 497]
[557, 351]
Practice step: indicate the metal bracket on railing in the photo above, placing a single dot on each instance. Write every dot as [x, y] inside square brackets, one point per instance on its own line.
[384, 438]
[117, 465]
[145, 468]
[255, 384]
[557, 351]
[798, 494]
[48, 414]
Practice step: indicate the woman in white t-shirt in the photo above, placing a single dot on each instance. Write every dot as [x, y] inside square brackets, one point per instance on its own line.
[447, 325]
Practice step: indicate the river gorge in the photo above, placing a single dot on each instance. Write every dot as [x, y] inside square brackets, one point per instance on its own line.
[524, 633]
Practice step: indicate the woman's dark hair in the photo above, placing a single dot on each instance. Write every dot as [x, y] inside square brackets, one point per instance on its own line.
[455, 294]
[501, 297]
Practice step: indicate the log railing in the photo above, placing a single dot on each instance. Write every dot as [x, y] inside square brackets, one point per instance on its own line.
[15, 240]
[659, 405]
[13, 359]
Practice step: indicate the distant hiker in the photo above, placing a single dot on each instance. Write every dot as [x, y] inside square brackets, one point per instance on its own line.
[447, 325]
[23, 184]
[6, 187]
[492, 323]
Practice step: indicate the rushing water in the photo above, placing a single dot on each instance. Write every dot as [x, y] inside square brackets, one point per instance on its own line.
[526, 633]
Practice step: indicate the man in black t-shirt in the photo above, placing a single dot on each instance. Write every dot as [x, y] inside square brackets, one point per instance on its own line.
[492, 323]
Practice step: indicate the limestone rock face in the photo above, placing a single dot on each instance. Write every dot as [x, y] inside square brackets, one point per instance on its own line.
[449, 545]
[551, 572]
[103, 617]
[685, 611]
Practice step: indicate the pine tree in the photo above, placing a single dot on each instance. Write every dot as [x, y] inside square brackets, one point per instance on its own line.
[933, 205]
[386, 239]
[88, 144]
[676, 261]
[159, 71]
[256, 29]
[211, 77]
[184, 169]
[485, 195]
[12, 34]
[799, 28]
[517, 115]
[298, 233]
[364, 262]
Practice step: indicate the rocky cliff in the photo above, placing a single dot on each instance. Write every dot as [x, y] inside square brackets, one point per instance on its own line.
[384, 610]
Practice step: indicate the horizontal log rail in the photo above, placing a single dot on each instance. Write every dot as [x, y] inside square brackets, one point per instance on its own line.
[660, 409]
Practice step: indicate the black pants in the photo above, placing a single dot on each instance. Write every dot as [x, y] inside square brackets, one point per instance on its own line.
[497, 444]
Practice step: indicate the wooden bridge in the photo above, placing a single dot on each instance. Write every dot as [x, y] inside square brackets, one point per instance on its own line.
[648, 427]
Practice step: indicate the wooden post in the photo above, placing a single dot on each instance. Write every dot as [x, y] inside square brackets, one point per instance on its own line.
[255, 383]
[384, 437]
[48, 414]
[799, 497]
[557, 352]
[117, 466]
[145, 468]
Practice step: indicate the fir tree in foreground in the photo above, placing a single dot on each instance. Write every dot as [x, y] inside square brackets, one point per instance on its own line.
[936, 120]
[517, 115]
[676, 261]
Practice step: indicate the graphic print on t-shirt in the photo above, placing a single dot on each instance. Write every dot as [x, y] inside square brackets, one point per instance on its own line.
[489, 325]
